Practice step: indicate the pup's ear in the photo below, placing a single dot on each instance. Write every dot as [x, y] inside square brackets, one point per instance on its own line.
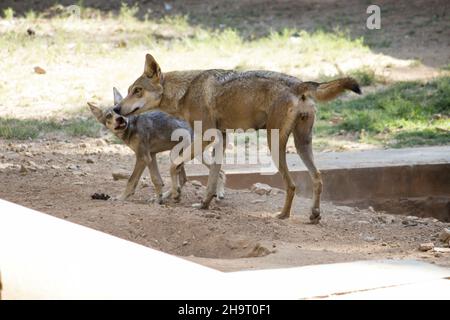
[96, 111]
[117, 96]
[151, 68]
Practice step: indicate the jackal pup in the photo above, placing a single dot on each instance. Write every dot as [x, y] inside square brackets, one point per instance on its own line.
[146, 134]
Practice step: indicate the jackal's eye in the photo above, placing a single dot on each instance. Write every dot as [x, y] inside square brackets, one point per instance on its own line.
[108, 116]
[137, 90]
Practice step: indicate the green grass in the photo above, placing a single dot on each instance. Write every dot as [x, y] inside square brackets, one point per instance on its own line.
[128, 13]
[364, 76]
[8, 13]
[22, 129]
[405, 114]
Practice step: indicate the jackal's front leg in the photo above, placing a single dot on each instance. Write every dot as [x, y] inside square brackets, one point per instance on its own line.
[156, 177]
[134, 179]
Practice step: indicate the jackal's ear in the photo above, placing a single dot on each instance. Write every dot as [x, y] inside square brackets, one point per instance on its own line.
[117, 96]
[96, 111]
[151, 68]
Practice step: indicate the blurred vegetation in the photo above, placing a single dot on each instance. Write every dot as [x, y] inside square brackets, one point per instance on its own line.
[22, 129]
[405, 114]
[86, 55]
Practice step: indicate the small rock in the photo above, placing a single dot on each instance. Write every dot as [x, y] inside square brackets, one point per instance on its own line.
[258, 251]
[196, 183]
[119, 176]
[185, 243]
[408, 223]
[441, 250]
[426, 246]
[276, 191]
[73, 167]
[261, 188]
[32, 163]
[291, 149]
[89, 160]
[382, 219]
[4, 166]
[23, 169]
[371, 209]
[369, 239]
[39, 70]
[55, 167]
[100, 143]
[444, 236]
[258, 201]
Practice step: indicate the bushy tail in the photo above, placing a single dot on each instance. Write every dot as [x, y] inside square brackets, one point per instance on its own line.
[328, 90]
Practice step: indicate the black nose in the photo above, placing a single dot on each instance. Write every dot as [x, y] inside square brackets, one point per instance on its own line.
[117, 109]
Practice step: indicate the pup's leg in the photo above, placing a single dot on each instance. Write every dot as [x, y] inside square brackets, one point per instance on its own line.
[178, 161]
[156, 177]
[303, 143]
[182, 178]
[220, 191]
[134, 179]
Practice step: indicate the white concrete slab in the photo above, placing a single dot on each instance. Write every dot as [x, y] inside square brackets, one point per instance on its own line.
[428, 290]
[42, 257]
[319, 281]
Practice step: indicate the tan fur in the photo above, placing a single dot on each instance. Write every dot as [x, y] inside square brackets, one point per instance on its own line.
[226, 99]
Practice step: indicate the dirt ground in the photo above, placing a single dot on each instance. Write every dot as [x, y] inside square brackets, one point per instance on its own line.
[237, 233]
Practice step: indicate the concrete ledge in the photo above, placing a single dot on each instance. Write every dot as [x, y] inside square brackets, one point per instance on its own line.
[360, 175]
[357, 183]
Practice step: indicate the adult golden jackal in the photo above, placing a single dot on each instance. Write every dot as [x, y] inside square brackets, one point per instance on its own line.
[227, 99]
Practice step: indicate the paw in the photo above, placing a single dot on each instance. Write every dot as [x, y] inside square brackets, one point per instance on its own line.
[315, 217]
[282, 215]
[220, 196]
[159, 199]
[166, 195]
[176, 196]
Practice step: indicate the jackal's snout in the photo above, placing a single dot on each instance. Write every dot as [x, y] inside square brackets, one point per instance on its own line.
[120, 123]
